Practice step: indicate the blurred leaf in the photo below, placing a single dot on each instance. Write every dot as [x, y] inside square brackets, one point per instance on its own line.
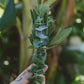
[1, 71]
[50, 2]
[1, 12]
[33, 14]
[2, 3]
[83, 29]
[31, 47]
[41, 36]
[9, 17]
[19, 9]
[36, 43]
[41, 28]
[0, 34]
[77, 78]
[60, 36]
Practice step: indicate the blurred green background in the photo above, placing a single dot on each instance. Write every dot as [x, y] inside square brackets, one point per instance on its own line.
[66, 63]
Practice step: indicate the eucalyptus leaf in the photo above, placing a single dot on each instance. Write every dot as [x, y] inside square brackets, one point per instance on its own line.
[41, 36]
[41, 28]
[36, 43]
[9, 17]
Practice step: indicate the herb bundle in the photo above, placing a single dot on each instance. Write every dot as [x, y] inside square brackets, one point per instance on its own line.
[41, 40]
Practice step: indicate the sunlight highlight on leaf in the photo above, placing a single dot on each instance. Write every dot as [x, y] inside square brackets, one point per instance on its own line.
[83, 29]
[1, 12]
[77, 78]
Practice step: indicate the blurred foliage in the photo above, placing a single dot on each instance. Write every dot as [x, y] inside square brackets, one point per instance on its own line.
[1, 12]
[71, 63]
[3, 3]
[78, 20]
[9, 40]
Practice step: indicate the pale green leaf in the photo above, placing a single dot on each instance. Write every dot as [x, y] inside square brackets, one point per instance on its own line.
[41, 28]
[41, 36]
[60, 37]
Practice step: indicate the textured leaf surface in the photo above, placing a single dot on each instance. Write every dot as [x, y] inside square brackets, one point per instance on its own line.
[60, 36]
[9, 17]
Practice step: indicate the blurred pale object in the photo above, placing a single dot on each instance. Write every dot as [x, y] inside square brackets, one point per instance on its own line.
[75, 41]
[82, 78]
[49, 12]
[79, 47]
[78, 20]
[6, 62]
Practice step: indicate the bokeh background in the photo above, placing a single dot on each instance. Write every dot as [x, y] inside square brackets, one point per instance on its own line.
[66, 62]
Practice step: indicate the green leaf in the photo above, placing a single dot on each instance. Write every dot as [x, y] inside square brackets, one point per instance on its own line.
[59, 31]
[36, 43]
[41, 28]
[50, 30]
[0, 34]
[60, 36]
[41, 36]
[9, 17]
[33, 14]
[2, 3]
[31, 47]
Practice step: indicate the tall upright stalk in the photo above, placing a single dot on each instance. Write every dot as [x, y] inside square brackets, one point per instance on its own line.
[40, 38]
